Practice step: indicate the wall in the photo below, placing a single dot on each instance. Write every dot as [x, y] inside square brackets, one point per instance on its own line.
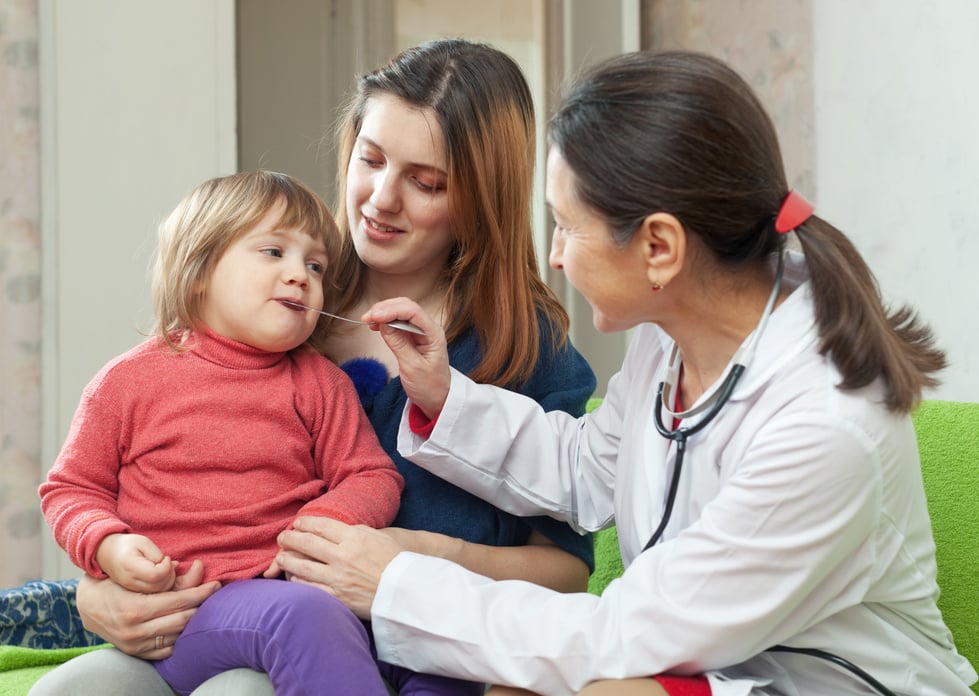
[769, 42]
[306, 58]
[876, 109]
[897, 155]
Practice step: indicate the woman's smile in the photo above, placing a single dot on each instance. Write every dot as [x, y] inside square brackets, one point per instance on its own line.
[379, 232]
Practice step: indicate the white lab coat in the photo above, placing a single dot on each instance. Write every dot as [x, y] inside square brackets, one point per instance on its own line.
[800, 520]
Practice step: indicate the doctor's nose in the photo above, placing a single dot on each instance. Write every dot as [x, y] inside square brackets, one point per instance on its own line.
[557, 253]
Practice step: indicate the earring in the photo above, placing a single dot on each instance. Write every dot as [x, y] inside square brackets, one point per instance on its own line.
[657, 287]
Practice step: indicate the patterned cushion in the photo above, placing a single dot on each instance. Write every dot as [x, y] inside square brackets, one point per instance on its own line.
[43, 615]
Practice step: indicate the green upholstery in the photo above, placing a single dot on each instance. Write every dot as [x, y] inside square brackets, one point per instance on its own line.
[948, 441]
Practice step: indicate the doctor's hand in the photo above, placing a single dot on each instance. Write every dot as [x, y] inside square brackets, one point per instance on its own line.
[423, 361]
[345, 561]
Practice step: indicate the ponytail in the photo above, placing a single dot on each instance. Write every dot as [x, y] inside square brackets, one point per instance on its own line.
[863, 339]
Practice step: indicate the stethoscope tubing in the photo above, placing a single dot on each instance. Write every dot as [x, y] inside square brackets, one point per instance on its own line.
[680, 436]
[712, 404]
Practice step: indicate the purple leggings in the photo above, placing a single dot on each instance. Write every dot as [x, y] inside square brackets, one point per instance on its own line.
[306, 640]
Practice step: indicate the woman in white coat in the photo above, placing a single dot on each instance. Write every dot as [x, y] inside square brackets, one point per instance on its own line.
[755, 451]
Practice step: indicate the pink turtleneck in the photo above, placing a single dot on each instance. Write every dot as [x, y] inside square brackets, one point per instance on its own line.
[212, 452]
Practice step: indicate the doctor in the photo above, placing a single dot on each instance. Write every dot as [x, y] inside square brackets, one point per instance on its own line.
[755, 451]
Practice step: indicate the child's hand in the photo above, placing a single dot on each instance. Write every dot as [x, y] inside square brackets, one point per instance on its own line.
[136, 563]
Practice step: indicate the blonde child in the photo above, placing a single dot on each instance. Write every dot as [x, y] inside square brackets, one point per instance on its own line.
[207, 440]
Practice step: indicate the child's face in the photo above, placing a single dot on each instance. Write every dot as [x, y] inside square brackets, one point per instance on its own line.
[267, 264]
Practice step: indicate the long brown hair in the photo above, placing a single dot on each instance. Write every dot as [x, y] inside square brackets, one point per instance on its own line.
[492, 281]
[683, 133]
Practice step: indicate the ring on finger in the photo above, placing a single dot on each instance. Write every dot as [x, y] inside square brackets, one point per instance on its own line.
[158, 642]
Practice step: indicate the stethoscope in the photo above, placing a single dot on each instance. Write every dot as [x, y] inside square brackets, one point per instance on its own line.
[712, 405]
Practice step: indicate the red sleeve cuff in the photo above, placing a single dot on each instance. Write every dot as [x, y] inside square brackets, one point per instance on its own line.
[419, 422]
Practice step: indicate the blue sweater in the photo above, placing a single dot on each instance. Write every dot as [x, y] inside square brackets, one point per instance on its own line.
[562, 381]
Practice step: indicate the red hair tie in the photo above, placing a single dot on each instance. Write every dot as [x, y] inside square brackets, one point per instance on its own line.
[795, 210]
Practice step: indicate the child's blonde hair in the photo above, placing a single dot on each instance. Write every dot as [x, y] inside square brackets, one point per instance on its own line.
[207, 221]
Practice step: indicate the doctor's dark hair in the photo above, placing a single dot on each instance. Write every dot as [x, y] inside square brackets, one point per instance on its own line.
[684, 134]
[492, 281]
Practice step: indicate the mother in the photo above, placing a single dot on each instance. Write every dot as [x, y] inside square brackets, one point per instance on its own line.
[437, 157]
[799, 526]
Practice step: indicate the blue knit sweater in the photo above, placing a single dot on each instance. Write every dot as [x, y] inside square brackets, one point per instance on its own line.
[562, 381]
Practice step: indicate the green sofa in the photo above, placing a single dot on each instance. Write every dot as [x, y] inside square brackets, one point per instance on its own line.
[948, 439]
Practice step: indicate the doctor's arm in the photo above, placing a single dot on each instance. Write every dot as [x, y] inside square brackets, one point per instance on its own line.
[675, 614]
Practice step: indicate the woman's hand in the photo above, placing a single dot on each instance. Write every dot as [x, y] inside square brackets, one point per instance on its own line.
[423, 361]
[132, 620]
[345, 561]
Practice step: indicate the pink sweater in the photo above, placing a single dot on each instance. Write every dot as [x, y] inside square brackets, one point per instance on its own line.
[212, 452]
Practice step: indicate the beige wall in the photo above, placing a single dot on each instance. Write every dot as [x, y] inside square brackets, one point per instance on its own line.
[295, 69]
[897, 149]
[770, 42]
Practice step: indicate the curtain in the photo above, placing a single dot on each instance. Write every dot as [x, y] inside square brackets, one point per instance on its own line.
[20, 295]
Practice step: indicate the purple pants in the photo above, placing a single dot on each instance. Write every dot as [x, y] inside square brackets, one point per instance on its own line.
[306, 640]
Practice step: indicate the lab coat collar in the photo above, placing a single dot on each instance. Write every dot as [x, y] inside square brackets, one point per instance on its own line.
[791, 331]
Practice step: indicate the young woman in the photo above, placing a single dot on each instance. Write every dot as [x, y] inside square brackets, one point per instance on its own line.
[755, 450]
[437, 156]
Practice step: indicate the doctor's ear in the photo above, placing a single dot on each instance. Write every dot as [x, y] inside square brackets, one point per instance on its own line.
[663, 243]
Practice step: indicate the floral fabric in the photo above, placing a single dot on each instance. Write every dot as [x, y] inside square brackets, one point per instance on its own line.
[43, 615]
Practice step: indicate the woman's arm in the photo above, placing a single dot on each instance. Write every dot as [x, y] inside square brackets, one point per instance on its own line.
[540, 561]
